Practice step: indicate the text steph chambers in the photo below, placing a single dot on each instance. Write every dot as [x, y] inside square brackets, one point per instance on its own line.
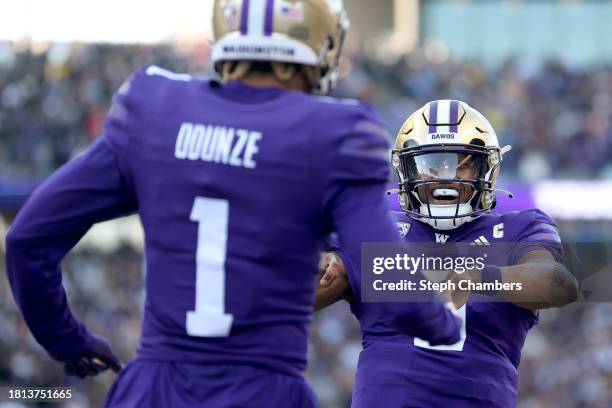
[463, 285]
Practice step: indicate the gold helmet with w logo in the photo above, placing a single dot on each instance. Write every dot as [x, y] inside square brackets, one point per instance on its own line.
[284, 33]
[447, 157]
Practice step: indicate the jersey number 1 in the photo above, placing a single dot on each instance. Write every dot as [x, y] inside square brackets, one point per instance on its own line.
[209, 318]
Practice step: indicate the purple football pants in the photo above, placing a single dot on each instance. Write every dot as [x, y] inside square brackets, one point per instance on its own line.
[146, 383]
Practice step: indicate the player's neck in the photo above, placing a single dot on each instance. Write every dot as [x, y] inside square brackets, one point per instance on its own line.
[256, 80]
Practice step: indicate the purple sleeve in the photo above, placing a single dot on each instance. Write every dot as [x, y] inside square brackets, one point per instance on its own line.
[363, 216]
[359, 212]
[89, 189]
[540, 233]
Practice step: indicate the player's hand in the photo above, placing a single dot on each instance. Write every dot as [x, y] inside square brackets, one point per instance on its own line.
[330, 269]
[333, 282]
[454, 299]
[460, 297]
[98, 358]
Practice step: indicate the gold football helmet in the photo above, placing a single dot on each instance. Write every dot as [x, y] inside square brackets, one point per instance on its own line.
[283, 32]
[447, 157]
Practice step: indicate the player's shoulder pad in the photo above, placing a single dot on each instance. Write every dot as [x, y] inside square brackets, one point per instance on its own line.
[151, 87]
[151, 81]
[353, 139]
[155, 71]
[532, 215]
[359, 129]
[153, 74]
[541, 216]
[535, 225]
[137, 95]
[340, 110]
[337, 101]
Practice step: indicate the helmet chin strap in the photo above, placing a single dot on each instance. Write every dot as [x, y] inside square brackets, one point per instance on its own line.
[446, 211]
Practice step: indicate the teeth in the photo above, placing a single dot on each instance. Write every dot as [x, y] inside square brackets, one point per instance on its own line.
[445, 192]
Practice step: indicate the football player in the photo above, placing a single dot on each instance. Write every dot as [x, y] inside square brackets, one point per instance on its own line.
[237, 182]
[447, 157]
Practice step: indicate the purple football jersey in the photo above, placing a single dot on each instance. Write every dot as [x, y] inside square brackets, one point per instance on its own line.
[237, 187]
[396, 370]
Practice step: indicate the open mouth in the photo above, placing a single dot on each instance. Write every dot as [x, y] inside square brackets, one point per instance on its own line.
[444, 196]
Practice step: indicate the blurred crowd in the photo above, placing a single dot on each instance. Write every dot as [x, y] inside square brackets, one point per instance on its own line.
[53, 99]
[566, 363]
[53, 102]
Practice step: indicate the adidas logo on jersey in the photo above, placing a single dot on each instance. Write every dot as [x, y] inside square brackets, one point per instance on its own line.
[481, 241]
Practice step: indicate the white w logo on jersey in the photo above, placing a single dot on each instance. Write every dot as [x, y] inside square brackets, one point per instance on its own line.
[441, 238]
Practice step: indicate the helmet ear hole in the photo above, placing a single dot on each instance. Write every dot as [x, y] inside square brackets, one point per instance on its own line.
[410, 143]
[477, 142]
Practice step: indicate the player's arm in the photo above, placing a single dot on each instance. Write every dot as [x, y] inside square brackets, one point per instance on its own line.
[537, 266]
[88, 189]
[334, 286]
[358, 211]
[545, 282]
[363, 216]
